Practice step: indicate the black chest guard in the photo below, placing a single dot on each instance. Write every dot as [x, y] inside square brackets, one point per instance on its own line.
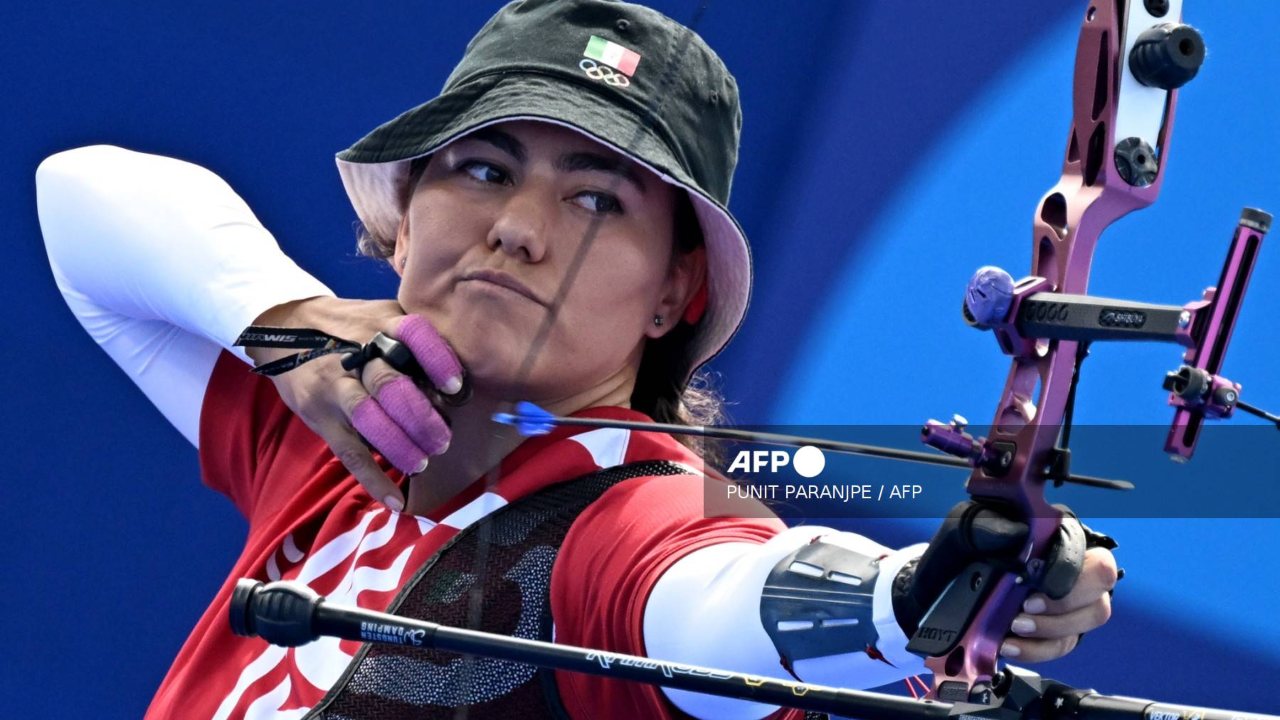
[494, 576]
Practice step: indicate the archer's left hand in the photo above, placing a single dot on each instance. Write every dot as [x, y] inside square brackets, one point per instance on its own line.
[1080, 574]
[1047, 629]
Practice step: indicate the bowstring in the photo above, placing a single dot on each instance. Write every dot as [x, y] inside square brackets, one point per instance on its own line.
[484, 532]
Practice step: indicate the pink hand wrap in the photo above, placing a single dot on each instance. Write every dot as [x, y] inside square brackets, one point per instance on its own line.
[431, 352]
[398, 419]
[410, 409]
[372, 422]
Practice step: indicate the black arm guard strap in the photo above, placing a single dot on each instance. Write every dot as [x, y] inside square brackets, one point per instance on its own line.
[817, 602]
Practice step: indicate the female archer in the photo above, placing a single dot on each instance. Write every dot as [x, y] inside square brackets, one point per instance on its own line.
[558, 220]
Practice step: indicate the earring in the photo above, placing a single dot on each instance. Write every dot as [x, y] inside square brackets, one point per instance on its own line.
[658, 320]
[403, 261]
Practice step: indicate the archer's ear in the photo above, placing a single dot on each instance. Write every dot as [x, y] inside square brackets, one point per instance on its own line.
[400, 256]
[400, 253]
[688, 273]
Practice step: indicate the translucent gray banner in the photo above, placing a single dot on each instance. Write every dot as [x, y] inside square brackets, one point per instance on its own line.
[1235, 473]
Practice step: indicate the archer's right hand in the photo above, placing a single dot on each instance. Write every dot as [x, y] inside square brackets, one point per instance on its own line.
[379, 404]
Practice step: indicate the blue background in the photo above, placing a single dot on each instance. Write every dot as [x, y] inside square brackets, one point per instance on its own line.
[889, 149]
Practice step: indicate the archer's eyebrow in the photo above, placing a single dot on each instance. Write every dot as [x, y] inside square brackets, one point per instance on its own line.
[569, 162]
[503, 141]
[575, 161]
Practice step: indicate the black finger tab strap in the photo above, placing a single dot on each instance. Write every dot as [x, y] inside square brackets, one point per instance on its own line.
[318, 344]
[314, 342]
[263, 336]
[389, 349]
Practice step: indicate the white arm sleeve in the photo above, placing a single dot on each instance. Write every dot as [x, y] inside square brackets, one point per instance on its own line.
[163, 264]
[705, 610]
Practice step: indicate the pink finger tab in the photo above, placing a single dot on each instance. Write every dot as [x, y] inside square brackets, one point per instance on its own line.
[372, 422]
[410, 409]
[431, 352]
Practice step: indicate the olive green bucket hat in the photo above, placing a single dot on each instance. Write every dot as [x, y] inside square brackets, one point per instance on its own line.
[624, 75]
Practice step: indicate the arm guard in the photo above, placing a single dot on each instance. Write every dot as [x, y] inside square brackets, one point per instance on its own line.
[818, 601]
[834, 597]
[715, 607]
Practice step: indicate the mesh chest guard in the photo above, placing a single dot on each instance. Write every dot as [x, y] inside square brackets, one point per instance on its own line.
[512, 550]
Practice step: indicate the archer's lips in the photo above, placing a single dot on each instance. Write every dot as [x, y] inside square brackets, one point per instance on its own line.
[502, 279]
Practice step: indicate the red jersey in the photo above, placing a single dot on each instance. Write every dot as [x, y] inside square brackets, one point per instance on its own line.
[310, 521]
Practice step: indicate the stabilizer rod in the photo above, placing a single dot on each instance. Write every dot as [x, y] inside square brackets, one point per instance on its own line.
[291, 614]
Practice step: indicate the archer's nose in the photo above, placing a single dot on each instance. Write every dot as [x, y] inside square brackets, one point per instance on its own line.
[521, 228]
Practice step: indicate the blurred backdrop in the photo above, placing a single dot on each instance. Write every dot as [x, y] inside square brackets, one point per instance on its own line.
[889, 149]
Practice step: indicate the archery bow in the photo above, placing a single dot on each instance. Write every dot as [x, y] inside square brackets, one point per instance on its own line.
[1130, 60]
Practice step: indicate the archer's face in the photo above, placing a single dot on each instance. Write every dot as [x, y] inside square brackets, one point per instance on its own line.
[492, 230]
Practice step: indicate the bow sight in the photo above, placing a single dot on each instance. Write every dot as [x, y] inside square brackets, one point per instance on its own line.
[1027, 313]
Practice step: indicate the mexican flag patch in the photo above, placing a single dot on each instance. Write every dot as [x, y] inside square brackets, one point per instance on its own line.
[612, 54]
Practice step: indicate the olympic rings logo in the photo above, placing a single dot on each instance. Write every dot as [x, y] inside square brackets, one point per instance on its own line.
[596, 71]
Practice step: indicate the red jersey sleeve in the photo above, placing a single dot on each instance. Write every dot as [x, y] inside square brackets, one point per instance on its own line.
[246, 431]
[612, 557]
